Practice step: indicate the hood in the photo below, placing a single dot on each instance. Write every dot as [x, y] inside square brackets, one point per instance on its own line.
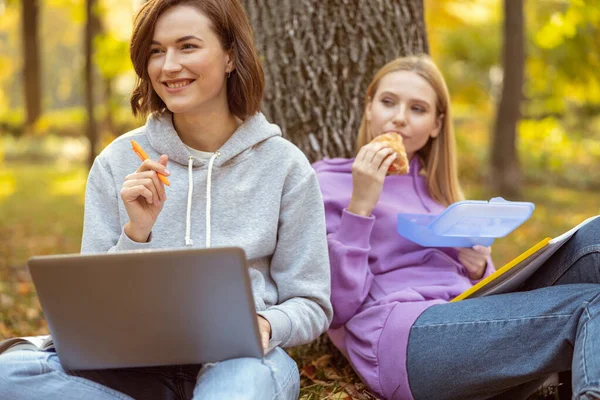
[164, 138]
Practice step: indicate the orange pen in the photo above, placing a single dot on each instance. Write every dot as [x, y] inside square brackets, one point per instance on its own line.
[137, 149]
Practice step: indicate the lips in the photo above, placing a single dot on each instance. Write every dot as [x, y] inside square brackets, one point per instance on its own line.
[404, 136]
[178, 83]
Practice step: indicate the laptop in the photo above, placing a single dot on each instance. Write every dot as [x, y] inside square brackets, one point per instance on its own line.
[148, 308]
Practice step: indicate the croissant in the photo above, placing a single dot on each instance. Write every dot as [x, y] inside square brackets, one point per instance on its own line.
[395, 142]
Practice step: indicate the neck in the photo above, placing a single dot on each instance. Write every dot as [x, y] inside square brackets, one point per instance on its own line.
[207, 130]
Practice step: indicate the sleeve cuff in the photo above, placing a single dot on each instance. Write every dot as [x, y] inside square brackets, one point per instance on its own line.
[281, 325]
[126, 244]
[355, 230]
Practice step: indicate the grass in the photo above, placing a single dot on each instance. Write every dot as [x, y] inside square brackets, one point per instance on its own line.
[41, 212]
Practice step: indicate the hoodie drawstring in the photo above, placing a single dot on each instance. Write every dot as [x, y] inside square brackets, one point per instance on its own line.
[188, 224]
[208, 190]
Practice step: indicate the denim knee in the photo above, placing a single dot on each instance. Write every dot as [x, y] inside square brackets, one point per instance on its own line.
[21, 364]
[273, 377]
[17, 368]
[588, 235]
[581, 255]
[32, 375]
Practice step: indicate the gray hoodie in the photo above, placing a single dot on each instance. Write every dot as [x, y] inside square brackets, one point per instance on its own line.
[258, 192]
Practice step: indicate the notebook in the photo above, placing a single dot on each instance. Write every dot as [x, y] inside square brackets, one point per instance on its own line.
[513, 274]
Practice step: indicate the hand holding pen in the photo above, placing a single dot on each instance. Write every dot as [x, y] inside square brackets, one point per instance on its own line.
[143, 194]
[137, 149]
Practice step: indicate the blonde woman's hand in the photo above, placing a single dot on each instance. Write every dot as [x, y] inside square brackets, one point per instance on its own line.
[264, 328]
[144, 195]
[368, 173]
[474, 260]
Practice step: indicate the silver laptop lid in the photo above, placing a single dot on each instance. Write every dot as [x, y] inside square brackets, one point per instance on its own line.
[148, 308]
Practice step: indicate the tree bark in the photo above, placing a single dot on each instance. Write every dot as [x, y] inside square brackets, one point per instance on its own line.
[31, 62]
[90, 31]
[109, 120]
[319, 57]
[505, 169]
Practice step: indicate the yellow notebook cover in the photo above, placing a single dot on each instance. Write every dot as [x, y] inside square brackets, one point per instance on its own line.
[507, 267]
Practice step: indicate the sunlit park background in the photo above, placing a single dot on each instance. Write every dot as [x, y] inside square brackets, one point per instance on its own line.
[44, 162]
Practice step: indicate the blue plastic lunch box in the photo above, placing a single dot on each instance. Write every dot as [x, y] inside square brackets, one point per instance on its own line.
[465, 223]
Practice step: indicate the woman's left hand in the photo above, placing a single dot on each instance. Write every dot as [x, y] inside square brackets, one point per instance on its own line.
[264, 328]
[475, 260]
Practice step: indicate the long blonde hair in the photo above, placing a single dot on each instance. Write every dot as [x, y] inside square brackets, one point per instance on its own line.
[438, 156]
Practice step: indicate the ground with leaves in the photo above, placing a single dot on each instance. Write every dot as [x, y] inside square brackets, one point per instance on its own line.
[41, 210]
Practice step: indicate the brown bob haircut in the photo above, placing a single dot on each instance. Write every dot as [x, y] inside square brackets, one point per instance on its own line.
[245, 86]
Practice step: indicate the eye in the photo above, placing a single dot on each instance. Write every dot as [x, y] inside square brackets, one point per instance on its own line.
[387, 102]
[419, 109]
[188, 46]
[155, 51]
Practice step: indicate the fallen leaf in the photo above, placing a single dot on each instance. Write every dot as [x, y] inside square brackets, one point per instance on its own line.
[24, 288]
[322, 361]
[340, 396]
[309, 371]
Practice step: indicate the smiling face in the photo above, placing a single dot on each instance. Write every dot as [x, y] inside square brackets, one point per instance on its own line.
[404, 103]
[188, 66]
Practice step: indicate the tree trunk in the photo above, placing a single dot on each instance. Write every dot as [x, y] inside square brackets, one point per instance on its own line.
[90, 30]
[107, 82]
[319, 56]
[505, 170]
[31, 62]
[109, 120]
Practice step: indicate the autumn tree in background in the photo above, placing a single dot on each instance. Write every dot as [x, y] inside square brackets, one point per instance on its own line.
[31, 61]
[505, 170]
[319, 56]
[91, 28]
[109, 51]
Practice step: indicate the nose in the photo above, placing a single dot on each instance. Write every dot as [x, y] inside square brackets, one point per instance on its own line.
[400, 116]
[171, 63]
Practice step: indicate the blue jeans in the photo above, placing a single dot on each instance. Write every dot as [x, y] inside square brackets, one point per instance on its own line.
[38, 375]
[504, 346]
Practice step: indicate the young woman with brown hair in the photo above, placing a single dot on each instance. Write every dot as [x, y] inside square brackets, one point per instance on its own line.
[234, 181]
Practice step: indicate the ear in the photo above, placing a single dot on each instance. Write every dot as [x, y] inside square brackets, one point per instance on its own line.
[229, 61]
[439, 122]
[369, 110]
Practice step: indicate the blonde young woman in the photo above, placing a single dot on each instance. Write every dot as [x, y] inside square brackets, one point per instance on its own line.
[234, 181]
[392, 316]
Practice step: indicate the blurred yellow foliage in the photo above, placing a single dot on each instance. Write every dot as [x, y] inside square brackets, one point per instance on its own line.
[546, 145]
[71, 184]
[561, 26]
[70, 122]
[474, 12]
[7, 184]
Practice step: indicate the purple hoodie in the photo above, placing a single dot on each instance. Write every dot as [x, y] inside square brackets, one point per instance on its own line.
[381, 282]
